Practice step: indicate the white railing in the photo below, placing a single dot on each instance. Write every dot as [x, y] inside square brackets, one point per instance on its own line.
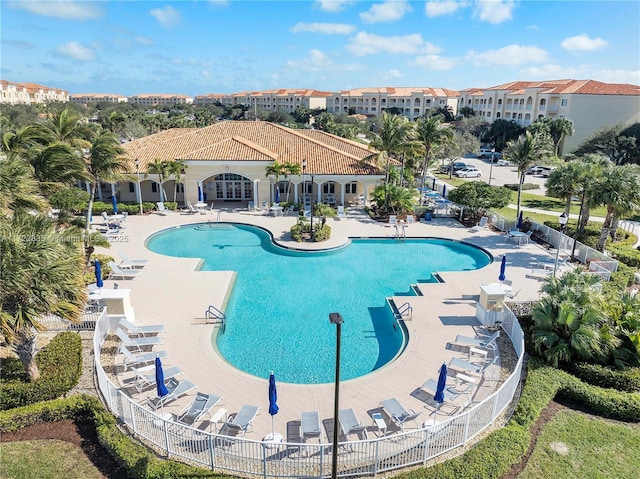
[90, 316]
[255, 458]
[583, 253]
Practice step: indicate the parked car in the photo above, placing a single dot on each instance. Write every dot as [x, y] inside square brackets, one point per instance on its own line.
[502, 162]
[535, 170]
[457, 165]
[470, 172]
[546, 171]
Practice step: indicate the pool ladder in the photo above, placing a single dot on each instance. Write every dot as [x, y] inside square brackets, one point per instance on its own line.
[214, 313]
[400, 232]
[405, 309]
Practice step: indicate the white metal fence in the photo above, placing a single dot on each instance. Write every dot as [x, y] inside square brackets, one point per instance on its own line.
[583, 253]
[295, 459]
[88, 320]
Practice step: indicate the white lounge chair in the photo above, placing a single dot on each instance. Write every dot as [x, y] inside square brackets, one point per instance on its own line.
[162, 209]
[341, 212]
[176, 390]
[201, 405]
[118, 273]
[132, 263]
[399, 414]
[350, 424]
[488, 342]
[130, 359]
[310, 425]
[468, 366]
[411, 219]
[481, 224]
[133, 330]
[290, 210]
[145, 377]
[242, 421]
[137, 343]
[393, 220]
[458, 398]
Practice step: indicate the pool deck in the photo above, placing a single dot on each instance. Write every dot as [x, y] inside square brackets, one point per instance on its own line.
[170, 291]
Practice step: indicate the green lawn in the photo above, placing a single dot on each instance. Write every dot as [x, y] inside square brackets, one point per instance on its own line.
[45, 459]
[574, 445]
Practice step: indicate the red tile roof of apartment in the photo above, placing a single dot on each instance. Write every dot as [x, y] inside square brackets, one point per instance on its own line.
[566, 87]
[255, 141]
[400, 91]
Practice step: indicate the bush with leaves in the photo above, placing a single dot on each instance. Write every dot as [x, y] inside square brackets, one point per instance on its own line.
[70, 199]
[478, 197]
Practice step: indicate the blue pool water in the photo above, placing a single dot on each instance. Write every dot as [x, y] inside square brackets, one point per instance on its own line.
[278, 313]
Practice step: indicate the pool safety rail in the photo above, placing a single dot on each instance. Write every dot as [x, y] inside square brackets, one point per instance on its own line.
[214, 313]
[293, 459]
[404, 311]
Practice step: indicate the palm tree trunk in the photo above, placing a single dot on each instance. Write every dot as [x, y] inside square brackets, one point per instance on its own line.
[94, 190]
[605, 231]
[26, 349]
[519, 194]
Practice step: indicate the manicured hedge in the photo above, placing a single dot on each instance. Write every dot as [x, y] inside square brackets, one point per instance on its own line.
[60, 365]
[140, 462]
[603, 376]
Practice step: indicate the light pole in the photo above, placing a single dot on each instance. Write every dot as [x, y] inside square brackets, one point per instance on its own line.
[563, 221]
[304, 168]
[137, 162]
[336, 318]
[493, 150]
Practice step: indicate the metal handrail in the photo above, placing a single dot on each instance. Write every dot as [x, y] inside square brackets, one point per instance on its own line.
[215, 313]
[403, 309]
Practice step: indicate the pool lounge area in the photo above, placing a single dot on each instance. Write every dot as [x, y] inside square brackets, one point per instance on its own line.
[171, 291]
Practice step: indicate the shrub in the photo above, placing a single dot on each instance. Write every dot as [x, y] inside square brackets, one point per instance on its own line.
[70, 199]
[525, 186]
[60, 365]
[606, 377]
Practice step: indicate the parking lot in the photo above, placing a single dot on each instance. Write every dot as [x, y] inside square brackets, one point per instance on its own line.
[501, 175]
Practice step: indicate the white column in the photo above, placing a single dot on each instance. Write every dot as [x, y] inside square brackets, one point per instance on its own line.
[255, 193]
[342, 188]
[138, 192]
[113, 189]
[295, 192]
[319, 197]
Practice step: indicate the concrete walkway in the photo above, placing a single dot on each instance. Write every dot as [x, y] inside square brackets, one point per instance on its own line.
[173, 292]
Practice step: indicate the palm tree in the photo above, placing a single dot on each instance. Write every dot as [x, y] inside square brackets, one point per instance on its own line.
[291, 169]
[158, 167]
[19, 190]
[567, 324]
[559, 128]
[524, 152]
[68, 127]
[43, 275]
[176, 168]
[618, 188]
[275, 169]
[564, 182]
[103, 164]
[467, 112]
[389, 139]
[431, 134]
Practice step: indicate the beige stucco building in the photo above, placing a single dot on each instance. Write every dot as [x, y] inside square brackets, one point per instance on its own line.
[87, 98]
[29, 93]
[227, 162]
[412, 102]
[589, 104]
[156, 99]
[284, 99]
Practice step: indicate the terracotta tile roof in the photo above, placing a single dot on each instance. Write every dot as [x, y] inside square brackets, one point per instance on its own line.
[578, 87]
[258, 141]
[399, 91]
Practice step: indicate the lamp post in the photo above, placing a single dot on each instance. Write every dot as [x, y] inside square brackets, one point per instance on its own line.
[563, 221]
[304, 168]
[137, 162]
[336, 318]
[493, 151]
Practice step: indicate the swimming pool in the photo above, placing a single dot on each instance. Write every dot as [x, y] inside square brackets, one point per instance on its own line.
[278, 312]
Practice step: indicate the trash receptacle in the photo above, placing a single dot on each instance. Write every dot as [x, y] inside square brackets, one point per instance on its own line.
[428, 215]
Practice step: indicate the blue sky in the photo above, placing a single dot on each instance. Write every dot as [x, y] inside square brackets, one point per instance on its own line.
[199, 47]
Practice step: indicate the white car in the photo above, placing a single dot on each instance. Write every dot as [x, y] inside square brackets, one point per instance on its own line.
[502, 163]
[469, 173]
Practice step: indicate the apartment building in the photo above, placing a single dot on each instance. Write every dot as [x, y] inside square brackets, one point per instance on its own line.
[589, 104]
[411, 102]
[283, 99]
[28, 93]
[148, 99]
[88, 98]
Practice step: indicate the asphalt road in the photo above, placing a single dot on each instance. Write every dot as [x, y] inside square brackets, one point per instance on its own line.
[501, 175]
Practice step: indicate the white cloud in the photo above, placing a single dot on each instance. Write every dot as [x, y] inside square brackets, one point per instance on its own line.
[67, 9]
[509, 55]
[443, 7]
[617, 76]
[552, 71]
[389, 11]
[219, 3]
[433, 62]
[325, 28]
[75, 51]
[167, 16]
[583, 43]
[395, 74]
[495, 11]
[367, 44]
[144, 40]
[332, 5]
[319, 61]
